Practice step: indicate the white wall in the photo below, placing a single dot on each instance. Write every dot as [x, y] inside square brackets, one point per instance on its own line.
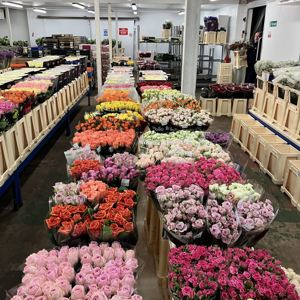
[282, 42]
[19, 25]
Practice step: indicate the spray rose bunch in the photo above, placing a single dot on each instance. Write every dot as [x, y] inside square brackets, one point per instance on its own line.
[67, 193]
[234, 192]
[104, 273]
[255, 215]
[168, 197]
[222, 221]
[186, 219]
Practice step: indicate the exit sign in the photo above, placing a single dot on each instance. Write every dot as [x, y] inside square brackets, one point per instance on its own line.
[123, 31]
[273, 24]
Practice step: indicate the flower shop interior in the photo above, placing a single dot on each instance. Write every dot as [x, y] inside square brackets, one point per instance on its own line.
[150, 149]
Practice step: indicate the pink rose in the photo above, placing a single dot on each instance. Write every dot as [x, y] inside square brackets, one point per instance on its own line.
[44, 298]
[102, 280]
[83, 250]
[99, 261]
[113, 272]
[115, 285]
[52, 274]
[131, 263]
[107, 291]
[93, 245]
[78, 292]
[64, 284]
[89, 279]
[93, 288]
[73, 256]
[115, 245]
[63, 265]
[86, 258]
[128, 279]
[125, 291]
[108, 254]
[97, 271]
[80, 278]
[87, 268]
[99, 295]
[31, 269]
[27, 278]
[119, 252]
[17, 298]
[103, 246]
[34, 290]
[129, 254]
[53, 292]
[68, 273]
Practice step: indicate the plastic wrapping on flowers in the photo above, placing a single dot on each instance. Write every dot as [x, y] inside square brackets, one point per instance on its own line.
[89, 272]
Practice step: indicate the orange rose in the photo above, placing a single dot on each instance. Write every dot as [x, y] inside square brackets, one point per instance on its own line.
[95, 228]
[66, 228]
[55, 210]
[128, 227]
[53, 222]
[100, 215]
[129, 202]
[79, 229]
[119, 219]
[116, 230]
[76, 217]
[65, 215]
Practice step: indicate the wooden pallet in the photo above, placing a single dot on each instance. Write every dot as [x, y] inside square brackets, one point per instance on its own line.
[245, 125]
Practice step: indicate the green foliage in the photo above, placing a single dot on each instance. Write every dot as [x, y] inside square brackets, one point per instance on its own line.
[39, 41]
[4, 41]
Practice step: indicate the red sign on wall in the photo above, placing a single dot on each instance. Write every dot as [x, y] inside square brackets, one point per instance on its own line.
[123, 31]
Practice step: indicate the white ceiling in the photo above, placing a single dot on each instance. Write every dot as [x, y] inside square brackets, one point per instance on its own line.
[125, 5]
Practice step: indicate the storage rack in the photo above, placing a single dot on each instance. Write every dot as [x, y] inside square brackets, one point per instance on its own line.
[206, 60]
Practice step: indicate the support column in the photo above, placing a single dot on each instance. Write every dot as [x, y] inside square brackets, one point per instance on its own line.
[190, 47]
[110, 33]
[9, 25]
[117, 34]
[98, 45]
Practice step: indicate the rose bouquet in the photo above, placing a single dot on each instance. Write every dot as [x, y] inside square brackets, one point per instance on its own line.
[81, 166]
[198, 272]
[111, 95]
[171, 196]
[118, 170]
[118, 106]
[185, 222]
[94, 191]
[109, 141]
[91, 272]
[80, 153]
[222, 222]
[111, 217]
[67, 193]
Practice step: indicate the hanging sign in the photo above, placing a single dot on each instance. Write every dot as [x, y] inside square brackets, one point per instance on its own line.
[123, 31]
[273, 24]
[105, 32]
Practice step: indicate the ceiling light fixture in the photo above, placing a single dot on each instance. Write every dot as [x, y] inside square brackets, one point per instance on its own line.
[135, 12]
[78, 5]
[181, 13]
[133, 6]
[12, 4]
[91, 11]
[40, 10]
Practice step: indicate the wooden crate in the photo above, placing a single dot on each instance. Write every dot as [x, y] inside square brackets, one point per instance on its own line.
[240, 60]
[30, 131]
[61, 102]
[210, 37]
[250, 103]
[263, 142]
[280, 104]
[209, 104]
[291, 183]
[269, 102]
[239, 106]
[259, 96]
[4, 160]
[225, 69]
[25, 143]
[245, 125]
[221, 38]
[67, 95]
[40, 126]
[292, 113]
[277, 157]
[48, 120]
[236, 124]
[224, 79]
[251, 140]
[72, 92]
[224, 107]
[55, 108]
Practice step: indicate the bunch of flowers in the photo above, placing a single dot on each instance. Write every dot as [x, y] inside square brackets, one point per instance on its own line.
[93, 190]
[255, 216]
[81, 166]
[110, 95]
[293, 278]
[6, 106]
[111, 138]
[9, 113]
[118, 106]
[222, 221]
[154, 87]
[107, 123]
[80, 153]
[181, 151]
[234, 192]
[118, 169]
[187, 103]
[17, 97]
[110, 218]
[35, 86]
[67, 193]
[103, 273]
[168, 197]
[221, 138]
[153, 95]
[198, 272]
[186, 220]
[126, 116]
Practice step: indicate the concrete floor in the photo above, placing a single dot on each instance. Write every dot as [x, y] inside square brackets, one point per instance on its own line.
[23, 232]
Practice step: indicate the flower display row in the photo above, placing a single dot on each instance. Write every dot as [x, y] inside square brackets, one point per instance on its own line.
[106, 214]
[180, 151]
[189, 103]
[118, 106]
[108, 141]
[153, 95]
[198, 272]
[111, 95]
[35, 86]
[93, 272]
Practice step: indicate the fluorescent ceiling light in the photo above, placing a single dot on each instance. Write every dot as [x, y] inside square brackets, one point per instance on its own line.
[11, 4]
[78, 5]
[135, 12]
[133, 6]
[181, 13]
[91, 11]
[40, 10]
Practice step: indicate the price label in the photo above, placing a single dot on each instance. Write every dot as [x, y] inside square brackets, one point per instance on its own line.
[125, 182]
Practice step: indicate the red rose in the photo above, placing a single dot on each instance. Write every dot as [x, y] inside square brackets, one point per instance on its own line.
[119, 219]
[53, 222]
[65, 215]
[95, 228]
[128, 227]
[79, 229]
[66, 228]
[129, 202]
[100, 215]
[56, 210]
[116, 230]
[76, 217]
